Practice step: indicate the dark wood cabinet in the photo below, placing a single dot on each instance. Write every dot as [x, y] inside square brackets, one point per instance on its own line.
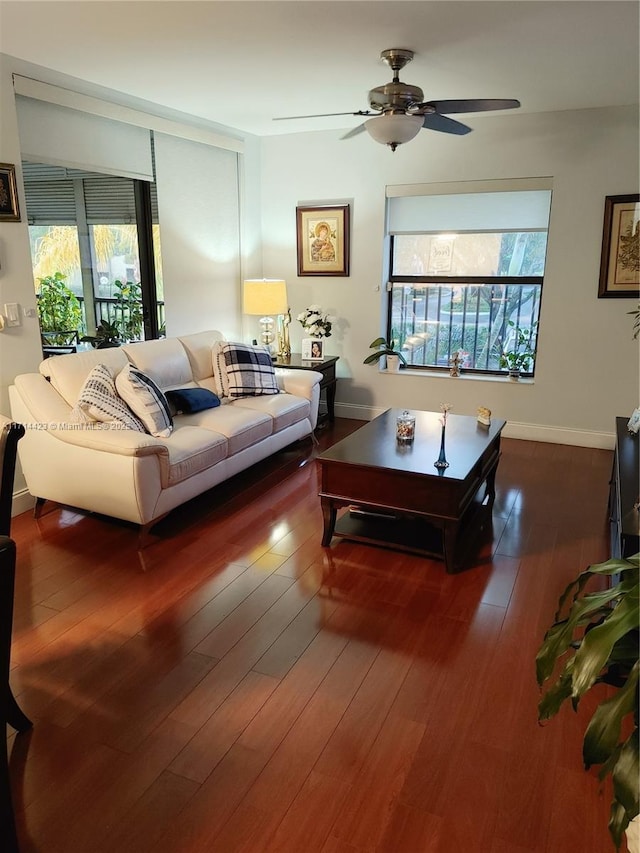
[624, 493]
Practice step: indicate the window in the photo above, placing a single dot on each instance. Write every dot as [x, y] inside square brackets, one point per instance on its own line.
[466, 273]
[91, 229]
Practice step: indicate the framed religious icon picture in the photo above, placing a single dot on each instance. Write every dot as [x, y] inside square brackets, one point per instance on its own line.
[620, 259]
[323, 240]
[9, 210]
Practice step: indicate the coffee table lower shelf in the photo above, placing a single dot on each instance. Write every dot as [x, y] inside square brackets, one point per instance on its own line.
[416, 534]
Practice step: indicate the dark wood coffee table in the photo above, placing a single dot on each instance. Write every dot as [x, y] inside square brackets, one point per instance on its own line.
[395, 494]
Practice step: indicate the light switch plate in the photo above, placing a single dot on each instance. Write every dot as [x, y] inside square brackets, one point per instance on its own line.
[12, 313]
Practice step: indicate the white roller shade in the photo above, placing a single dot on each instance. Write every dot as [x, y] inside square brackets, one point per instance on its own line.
[198, 203]
[492, 211]
[66, 137]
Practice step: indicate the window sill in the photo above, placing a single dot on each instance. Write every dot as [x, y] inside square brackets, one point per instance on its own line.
[464, 377]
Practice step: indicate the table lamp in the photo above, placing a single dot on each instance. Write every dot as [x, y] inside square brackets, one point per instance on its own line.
[265, 297]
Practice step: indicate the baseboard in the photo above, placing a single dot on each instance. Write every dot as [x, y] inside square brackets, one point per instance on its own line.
[23, 501]
[525, 432]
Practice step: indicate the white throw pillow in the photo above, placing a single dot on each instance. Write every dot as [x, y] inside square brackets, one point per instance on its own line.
[99, 401]
[145, 400]
[250, 371]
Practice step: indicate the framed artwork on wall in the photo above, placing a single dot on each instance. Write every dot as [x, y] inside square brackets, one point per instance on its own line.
[619, 262]
[313, 349]
[323, 240]
[9, 210]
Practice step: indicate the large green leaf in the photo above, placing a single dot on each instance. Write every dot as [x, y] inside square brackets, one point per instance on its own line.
[552, 700]
[608, 568]
[559, 637]
[603, 732]
[597, 644]
[618, 822]
[625, 776]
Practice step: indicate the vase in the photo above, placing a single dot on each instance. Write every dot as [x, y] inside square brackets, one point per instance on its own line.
[514, 375]
[393, 363]
[441, 462]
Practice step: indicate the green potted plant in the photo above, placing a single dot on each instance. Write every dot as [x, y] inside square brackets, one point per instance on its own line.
[59, 310]
[107, 335]
[386, 348]
[595, 639]
[519, 356]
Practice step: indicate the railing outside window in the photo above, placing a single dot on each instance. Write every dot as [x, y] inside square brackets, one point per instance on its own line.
[465, 296]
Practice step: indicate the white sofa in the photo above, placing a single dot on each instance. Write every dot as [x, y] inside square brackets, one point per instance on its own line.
[135, 476]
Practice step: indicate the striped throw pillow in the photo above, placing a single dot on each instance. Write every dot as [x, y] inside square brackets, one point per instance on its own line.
[250, 371]
[99, 401]
[145, 400]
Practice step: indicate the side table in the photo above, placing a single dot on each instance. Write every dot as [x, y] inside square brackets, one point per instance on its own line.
[327, 367]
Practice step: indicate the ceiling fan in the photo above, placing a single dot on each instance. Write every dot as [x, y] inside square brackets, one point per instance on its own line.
[399, 110]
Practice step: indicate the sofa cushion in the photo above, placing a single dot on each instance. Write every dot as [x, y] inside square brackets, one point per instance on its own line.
[192, 450]
[285, 409]
[67, 373]
[145, 400]
[199, 348]
[241, 427]
[191, 400]
[249, 370]
[165, 361]
[99, 401]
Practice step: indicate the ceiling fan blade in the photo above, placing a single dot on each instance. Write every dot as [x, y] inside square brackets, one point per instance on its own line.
[356, 130]
[326, 115]
[433, 121]
[472, 106]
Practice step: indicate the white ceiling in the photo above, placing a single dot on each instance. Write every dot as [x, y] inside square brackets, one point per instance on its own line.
[241, 63]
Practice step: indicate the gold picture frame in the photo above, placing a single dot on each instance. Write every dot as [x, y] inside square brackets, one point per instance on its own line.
[323, 240]
[9, 208]
[619, 268]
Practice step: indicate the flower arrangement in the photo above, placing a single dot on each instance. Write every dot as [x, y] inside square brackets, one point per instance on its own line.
[315, 322]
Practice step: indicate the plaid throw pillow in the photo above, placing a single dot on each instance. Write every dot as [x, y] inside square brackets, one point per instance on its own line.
[249, 371]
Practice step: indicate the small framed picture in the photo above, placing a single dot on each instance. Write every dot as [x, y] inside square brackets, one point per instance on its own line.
[9, 210]
[312, 349]
[619, 272]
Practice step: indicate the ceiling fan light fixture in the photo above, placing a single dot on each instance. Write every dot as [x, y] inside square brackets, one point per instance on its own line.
[393, 129]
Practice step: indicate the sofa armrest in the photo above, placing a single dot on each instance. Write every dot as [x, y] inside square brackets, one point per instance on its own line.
[302, 383]
[37, 405]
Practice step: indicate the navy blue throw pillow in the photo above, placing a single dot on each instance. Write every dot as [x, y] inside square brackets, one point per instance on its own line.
[187, 401]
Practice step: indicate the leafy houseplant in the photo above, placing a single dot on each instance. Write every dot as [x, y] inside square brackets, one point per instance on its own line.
[522, 352]
[107, 335]
[383, 347]
[58, 308]
[129, 310]
[597, 641]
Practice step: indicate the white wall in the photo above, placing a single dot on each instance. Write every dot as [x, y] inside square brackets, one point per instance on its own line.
[587, 369]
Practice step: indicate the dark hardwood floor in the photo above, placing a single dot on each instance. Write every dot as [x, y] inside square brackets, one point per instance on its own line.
[237, 687]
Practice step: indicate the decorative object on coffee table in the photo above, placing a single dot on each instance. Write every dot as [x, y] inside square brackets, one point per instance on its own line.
[484, 416]
[405, 427]
[441, 462]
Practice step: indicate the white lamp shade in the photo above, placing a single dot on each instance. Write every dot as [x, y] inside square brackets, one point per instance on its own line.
[265, 296]
[393, 129]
